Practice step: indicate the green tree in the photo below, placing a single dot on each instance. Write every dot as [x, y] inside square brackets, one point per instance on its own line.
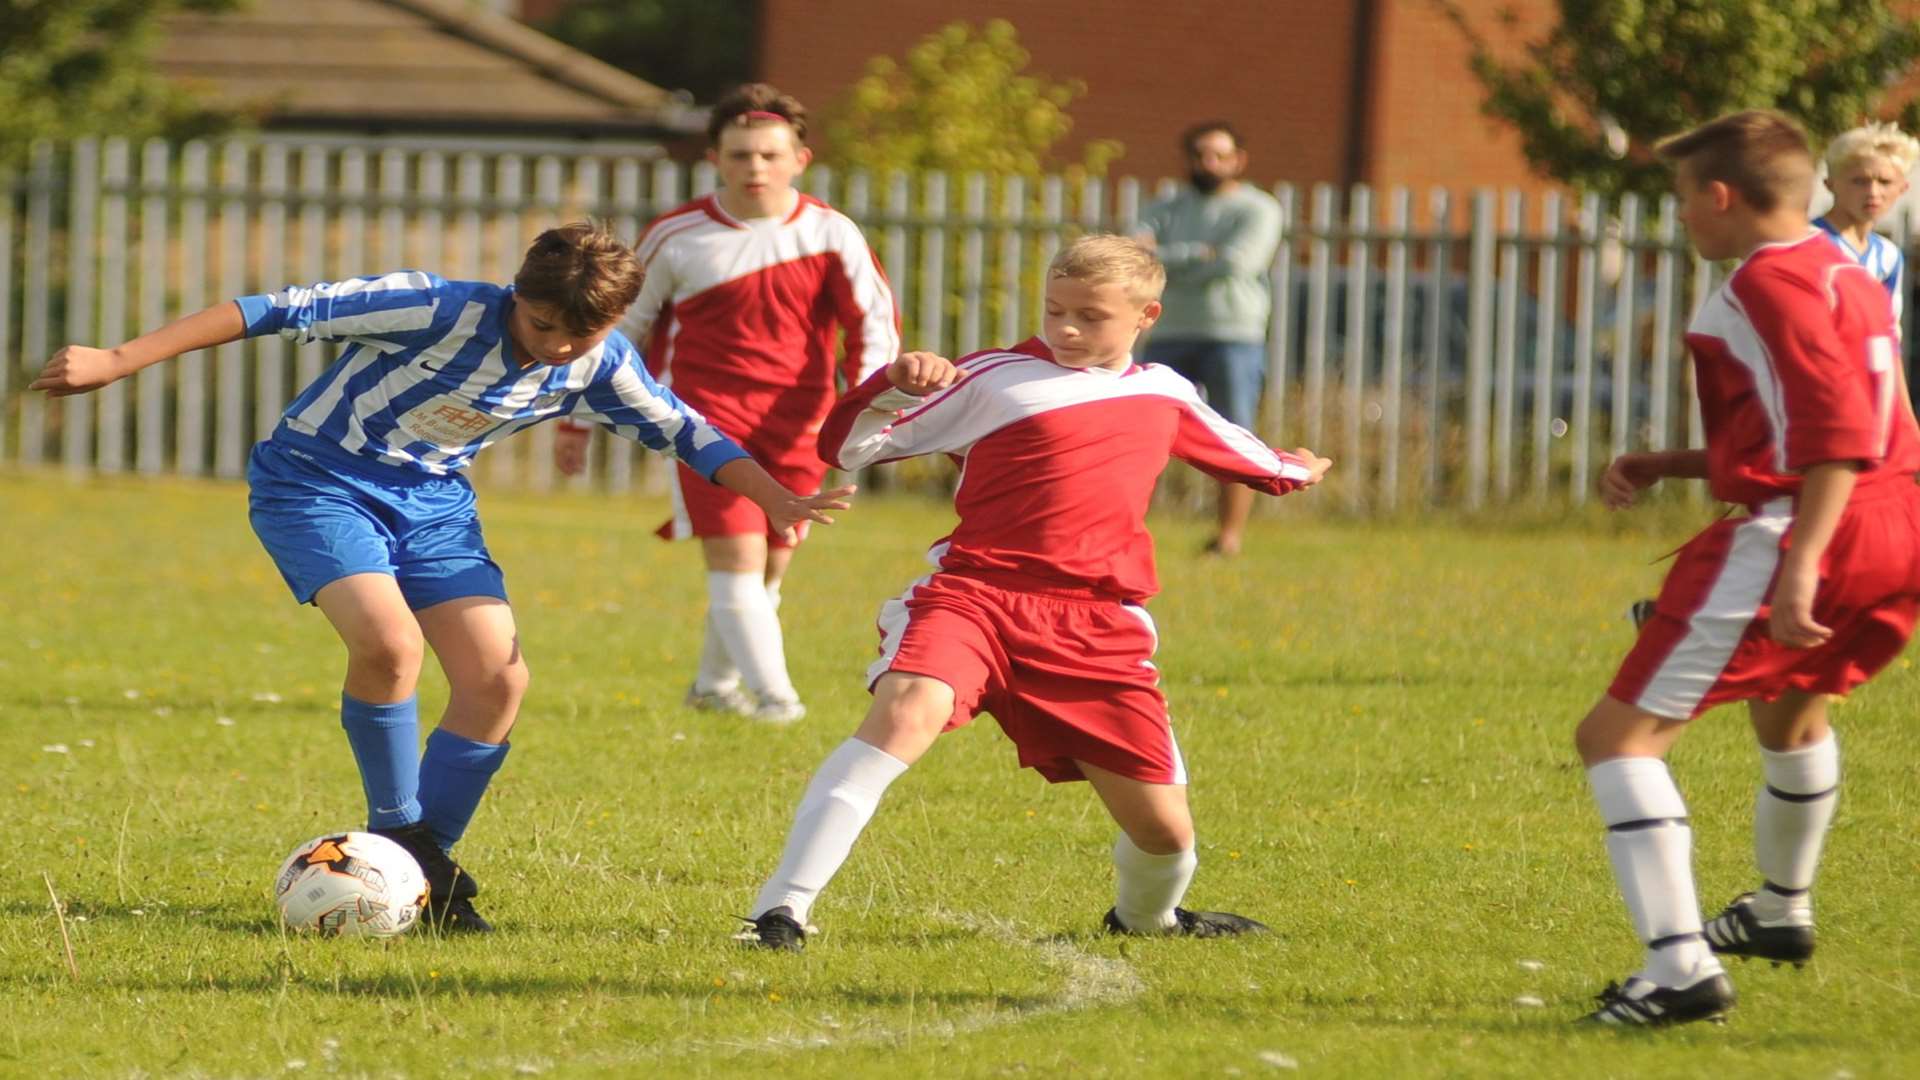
[960, 100]
[84, 67]
[700, 46]
[1591, 97]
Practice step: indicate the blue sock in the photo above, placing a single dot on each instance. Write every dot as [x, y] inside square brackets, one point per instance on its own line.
[386, 746]
[453, 775]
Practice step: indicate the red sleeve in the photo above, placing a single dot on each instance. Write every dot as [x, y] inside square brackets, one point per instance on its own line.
[1818, 353]
[839, 422]
[1228, 452]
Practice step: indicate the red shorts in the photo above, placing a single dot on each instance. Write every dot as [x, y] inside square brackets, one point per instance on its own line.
[1708, 643]
[1069, 676]
[703, 508]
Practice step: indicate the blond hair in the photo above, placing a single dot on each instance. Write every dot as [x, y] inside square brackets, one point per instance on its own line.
[1759, 153]
[1107, 259]
[1884, 141]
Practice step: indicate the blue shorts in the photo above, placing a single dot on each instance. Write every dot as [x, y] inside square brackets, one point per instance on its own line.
[1233, 373]
[322, 520]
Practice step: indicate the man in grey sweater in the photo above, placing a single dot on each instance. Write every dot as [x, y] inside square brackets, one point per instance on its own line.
[1217, 237]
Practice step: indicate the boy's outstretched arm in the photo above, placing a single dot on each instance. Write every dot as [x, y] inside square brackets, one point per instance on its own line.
[1629, 473]
[872, 422]
[784, 509]
[1227, 452]
[77, 369]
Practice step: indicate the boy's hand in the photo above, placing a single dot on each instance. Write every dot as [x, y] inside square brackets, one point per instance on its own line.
[1625, 478]
[1791, 622]
[570, 449]
[77, 369]
[784, 513]
[1317, 466]
[922, 372]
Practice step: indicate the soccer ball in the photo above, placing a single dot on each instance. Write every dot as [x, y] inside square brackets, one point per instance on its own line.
[350, 884]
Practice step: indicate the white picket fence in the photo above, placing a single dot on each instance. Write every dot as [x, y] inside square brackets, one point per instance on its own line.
[1449, 349]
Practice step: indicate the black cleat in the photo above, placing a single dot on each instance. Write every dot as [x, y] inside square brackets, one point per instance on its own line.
[1737, 931]
[775, 929]
[1200, 924]
[1640, 612]
[450, 889]
[456, 916]
[1640, 1003]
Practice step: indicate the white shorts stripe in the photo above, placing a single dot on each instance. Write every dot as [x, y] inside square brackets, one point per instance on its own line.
[892, 621]
[682, 528]
[1714, 631]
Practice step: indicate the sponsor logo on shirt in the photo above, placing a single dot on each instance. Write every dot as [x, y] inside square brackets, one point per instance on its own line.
[445, 421]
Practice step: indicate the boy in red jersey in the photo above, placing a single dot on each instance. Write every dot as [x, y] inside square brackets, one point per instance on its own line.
[746, 291]
[1809, 594]
[1035, 611]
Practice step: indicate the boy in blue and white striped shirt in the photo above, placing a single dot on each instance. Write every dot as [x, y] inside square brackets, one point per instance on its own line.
[1867, 171]
[360, 499]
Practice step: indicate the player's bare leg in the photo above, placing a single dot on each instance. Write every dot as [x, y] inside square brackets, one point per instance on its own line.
[743, 630]
[378, 710]
[1154, 859]
[383, 640]
[476, 642]
[1800, 762]
[1236, 506]
[907, 715]
[478, 646]
[1650, 842]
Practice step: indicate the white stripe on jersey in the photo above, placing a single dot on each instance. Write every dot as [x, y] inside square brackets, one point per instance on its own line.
[428, 395]
[1722, 317]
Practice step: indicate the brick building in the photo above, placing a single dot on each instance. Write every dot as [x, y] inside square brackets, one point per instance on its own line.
[1337, 90]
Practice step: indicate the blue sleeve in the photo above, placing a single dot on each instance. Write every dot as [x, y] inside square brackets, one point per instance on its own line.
[626, 400]
[395, 307]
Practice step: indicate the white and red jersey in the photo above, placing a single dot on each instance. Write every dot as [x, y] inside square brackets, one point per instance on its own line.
[1057, 463]
[741, 317]
[1797, 361]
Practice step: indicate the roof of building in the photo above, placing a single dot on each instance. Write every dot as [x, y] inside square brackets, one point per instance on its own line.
[408, 65]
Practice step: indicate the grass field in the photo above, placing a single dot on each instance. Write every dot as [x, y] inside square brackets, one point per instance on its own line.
[1377, 718]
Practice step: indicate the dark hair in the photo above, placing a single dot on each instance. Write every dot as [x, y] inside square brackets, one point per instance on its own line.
[1759, 153]
[1191, 136]
[739, 106]
[585, 271]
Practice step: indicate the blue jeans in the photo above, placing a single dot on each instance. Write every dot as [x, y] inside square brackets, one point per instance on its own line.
[1231, 373]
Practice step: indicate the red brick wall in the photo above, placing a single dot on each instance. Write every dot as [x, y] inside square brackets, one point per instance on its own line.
[1426, 128]
[1281, 71]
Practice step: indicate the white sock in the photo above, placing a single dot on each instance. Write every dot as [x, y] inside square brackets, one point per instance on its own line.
[839, 801]
[718, 673]
[1651, 845]
[744, 617]
[1148, 887]
[1790, 819]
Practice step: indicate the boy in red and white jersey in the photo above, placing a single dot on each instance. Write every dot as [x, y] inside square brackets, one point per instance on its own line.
[1035, 612]
[1808, 594]
[746, 292]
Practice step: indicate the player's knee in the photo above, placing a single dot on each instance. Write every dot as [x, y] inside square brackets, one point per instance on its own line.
[923, 704]
[1162, 835]
[500, 688]
[391, 654]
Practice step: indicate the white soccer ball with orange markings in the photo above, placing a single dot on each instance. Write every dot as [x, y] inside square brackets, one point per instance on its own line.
[351, 884]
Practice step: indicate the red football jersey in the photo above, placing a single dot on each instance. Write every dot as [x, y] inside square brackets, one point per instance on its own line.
[1057, 463]
[1797, 361]
[741, 317]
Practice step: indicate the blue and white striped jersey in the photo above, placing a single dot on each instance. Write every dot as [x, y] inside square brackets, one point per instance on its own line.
[1882, 259]
[429, 376]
